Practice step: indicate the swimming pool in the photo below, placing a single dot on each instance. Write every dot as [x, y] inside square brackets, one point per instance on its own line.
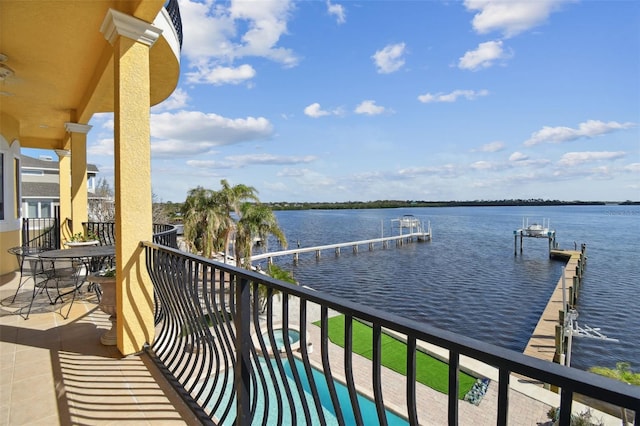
[367, 407]
[293, 336]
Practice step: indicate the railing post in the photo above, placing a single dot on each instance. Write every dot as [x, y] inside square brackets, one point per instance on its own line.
[454, 368]
[503, 396]
[243, 353]
[566, 398]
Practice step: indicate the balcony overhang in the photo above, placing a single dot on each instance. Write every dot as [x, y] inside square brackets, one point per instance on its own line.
[63, 66]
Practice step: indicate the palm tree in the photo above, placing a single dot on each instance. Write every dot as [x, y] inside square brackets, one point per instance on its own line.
[256, 220]
[201, 218]
[229, 201]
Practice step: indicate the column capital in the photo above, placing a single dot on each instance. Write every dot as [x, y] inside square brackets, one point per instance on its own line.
[120, 24]
[63, 153]
[77, 128]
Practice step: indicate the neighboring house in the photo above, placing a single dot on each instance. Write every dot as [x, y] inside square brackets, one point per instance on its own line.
[41, 185]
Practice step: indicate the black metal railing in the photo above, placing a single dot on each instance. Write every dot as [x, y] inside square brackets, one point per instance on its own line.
[163, 234]
[105, 232]
[173, 10]
[42, 232]
[215, 344]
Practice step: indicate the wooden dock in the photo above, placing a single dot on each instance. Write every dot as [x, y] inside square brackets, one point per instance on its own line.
[547, 341]
[382, 242]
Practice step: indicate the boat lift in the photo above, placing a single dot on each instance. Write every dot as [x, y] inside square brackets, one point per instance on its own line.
[414, 225]
[534, 230]
[572, 328]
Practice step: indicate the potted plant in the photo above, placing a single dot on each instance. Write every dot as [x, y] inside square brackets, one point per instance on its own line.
[81, 239]
[107, 281]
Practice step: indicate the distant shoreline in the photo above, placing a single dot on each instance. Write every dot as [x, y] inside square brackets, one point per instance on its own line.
[388, 204]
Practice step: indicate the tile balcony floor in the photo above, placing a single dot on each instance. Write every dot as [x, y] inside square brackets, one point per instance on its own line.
[56, 371]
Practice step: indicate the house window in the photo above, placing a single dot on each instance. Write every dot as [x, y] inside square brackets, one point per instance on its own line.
[45, 210]
[32, 209]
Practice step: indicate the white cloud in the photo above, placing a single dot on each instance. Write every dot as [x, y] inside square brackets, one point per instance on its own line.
[218, 35]
[266, 22]
[338, 11]
[195, 132]
[219, 75]
[633, 168]
[519, 159]
[492, 147]
[209, 33]
[288, 172]
[314, 110]
[576, 158]
[444, 171]
[239, 161]
[484, 56]
[177, 100]
[369, 107]
[482, 165]
[453, 96]
[269, 159]
[173, 148]
[510, 17]
[102, 147]
[103, 120]
[390, 58]
[518, 156]
[588, 129]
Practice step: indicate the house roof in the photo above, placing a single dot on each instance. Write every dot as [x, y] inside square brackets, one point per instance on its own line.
[40, 190]
[37, 163]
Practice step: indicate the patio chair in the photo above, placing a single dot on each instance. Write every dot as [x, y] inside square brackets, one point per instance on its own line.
[32, 268]
[66, 277]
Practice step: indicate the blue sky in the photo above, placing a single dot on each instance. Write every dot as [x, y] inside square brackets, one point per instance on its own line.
[410, 100]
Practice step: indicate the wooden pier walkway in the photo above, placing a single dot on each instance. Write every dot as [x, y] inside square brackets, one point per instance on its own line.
[383, 241]
[547, 341]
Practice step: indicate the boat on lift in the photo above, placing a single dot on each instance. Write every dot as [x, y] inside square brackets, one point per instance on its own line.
[536, 230]
[408, 221]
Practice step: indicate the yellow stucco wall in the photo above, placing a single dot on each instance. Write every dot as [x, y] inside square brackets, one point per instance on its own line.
[8, 262]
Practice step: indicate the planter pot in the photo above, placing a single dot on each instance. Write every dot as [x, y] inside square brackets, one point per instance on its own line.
[108, 306]
[81, 243]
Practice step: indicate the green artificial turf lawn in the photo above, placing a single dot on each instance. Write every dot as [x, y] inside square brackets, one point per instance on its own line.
[429, 371]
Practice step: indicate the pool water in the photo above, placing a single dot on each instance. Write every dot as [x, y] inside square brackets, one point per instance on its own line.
[278, 336]
[367, 407]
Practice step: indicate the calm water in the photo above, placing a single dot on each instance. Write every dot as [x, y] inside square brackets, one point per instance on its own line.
[468, 279]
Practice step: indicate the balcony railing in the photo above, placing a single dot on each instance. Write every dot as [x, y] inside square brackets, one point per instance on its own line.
[163, 234]
[214, 345]
[41, 232]
[174, 12]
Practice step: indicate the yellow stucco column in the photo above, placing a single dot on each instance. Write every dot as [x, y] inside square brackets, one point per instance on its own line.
[79, 197]
[131, 40]
[64, 167]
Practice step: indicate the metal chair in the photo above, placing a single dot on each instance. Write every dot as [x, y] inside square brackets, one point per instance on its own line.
[34, 269]
[66, 276]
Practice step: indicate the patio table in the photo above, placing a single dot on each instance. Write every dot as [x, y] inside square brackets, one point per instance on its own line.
[79, 262]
